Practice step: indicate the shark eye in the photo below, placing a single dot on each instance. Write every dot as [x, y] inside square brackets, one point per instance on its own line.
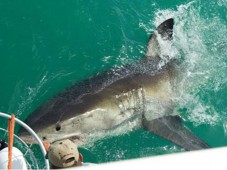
[58, 126]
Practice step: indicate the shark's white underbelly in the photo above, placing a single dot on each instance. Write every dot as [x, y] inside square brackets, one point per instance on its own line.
[121, 113]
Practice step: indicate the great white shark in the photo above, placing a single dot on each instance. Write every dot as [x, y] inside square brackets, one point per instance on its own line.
[139, 94]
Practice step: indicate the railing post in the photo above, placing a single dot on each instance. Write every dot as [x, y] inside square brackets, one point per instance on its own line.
[11, 124]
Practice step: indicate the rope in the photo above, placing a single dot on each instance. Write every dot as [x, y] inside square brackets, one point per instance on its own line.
[11, 124]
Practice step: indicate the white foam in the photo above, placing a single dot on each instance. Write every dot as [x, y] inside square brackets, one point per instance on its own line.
[199, 43]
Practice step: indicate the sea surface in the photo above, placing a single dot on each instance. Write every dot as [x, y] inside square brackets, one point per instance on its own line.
[46, 46]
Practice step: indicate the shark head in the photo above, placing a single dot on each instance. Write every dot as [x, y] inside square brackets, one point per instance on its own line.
[53, 132]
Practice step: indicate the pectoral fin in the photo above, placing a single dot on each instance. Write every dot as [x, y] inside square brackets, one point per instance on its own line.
[172, 129]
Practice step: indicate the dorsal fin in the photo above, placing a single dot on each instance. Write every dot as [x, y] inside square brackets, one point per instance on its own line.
[165, 30]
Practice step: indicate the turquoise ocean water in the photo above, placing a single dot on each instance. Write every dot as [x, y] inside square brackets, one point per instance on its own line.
[46, 46]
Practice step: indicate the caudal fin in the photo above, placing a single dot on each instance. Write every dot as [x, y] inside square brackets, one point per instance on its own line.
[165, 30]
[172, 129]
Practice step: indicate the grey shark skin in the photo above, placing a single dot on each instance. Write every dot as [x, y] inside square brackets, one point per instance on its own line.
[121, 99]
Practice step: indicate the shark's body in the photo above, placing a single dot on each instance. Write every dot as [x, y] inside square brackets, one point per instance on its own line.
[136, 95]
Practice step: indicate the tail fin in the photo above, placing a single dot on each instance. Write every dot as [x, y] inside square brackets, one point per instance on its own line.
[172, 129]
[165, 30]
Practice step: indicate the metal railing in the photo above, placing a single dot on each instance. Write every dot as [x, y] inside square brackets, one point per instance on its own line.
[31, 132]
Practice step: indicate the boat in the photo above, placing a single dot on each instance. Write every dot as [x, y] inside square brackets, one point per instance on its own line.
[208, 159]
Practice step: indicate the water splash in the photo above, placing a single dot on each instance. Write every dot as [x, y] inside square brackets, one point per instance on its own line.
[199, 41]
